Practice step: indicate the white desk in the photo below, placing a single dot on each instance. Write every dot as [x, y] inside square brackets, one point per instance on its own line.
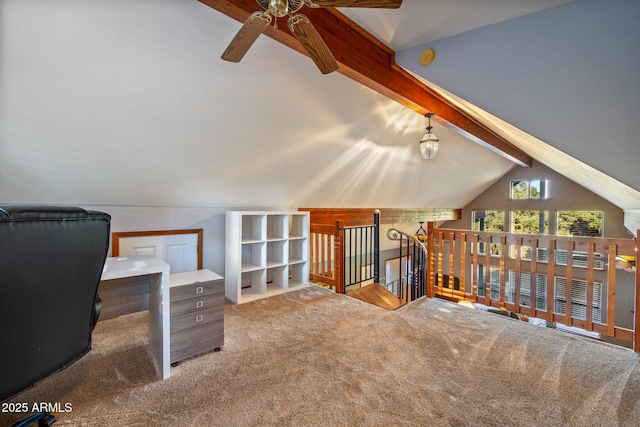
[159, 328]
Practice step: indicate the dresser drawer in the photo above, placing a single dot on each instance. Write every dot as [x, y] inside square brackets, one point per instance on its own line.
[199, 342]
[198, 303]
[196, 333]
[196, 289]
[199, 320]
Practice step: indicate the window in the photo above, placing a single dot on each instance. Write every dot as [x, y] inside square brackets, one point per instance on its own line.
[580, 259]
[530, 222]
[578, 299]
[580, 223]
[526, 283]
[526, 253]
[493, 279]
[488, 221]
[522, 189]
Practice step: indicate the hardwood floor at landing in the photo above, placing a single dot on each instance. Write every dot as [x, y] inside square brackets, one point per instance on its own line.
[377, 294]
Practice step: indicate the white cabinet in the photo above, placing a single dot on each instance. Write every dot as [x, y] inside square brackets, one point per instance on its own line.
[267, 253]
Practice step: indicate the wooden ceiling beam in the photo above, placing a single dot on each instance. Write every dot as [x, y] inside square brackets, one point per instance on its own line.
[369, 62]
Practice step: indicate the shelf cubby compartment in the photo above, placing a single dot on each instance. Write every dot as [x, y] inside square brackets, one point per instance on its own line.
[277, 278]
[298, 275]
[298, 250]
[253, 283]
[299, 225]
[277, 253]
[277, 227]
[253, 256]
[253, 228]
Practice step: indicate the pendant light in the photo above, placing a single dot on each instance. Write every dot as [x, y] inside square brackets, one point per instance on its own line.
[429, 142]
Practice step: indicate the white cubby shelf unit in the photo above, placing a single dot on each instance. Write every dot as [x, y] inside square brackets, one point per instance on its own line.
[266, 253]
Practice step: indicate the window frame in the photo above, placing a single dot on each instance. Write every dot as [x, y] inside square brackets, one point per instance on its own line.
[543, 185]
[558, 226]
[545, 216]
[495, 248]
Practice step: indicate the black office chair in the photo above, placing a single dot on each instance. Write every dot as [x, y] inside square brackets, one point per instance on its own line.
[51, 261]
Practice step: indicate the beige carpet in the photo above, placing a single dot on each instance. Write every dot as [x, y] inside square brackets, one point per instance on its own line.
[315, 358]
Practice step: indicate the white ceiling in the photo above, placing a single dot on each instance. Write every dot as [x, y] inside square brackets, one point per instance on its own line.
[421, 21]
[129, 103]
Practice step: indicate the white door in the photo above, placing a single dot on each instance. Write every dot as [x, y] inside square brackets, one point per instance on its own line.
[180, 251]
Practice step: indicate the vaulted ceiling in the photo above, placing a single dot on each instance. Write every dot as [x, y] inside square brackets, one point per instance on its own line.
[419, 22]
[474, 62]
[129, 103]
[367, 61]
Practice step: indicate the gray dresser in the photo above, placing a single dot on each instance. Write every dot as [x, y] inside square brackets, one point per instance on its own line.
[197, 313]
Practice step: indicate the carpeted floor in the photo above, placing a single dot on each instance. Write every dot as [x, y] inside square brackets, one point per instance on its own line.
[315, 358]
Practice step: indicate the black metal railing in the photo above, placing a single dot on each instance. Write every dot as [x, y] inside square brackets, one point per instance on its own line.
[412, 282]
[360, 259]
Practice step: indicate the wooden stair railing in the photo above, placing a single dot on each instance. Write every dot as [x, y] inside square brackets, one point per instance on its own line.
[327, 229]
[327, 255]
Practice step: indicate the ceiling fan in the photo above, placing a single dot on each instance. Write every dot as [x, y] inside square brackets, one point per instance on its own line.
[626, 262]
[298, 24]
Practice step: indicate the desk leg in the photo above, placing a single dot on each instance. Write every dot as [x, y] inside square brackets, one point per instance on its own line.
[159, 332]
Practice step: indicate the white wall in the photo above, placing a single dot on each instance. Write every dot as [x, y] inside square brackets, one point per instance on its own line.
[126, 107]
[562, 194]
[128, 103]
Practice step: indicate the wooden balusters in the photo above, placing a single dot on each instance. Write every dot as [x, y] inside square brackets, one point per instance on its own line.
[579, 282]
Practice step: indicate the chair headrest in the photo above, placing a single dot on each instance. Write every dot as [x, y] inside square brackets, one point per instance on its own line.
[11, 213]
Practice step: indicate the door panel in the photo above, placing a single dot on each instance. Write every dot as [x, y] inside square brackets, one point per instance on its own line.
[180, 251]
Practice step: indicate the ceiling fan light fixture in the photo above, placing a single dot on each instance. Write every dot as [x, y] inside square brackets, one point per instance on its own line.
[279, 8]
[429, 142]
[626, 262]
[300, 27]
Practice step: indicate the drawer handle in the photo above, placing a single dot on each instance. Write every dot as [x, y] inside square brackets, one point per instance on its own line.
[199, 304]
[199, 318]
[199, 290]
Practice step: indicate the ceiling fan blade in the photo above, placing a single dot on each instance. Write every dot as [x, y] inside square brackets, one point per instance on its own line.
[391, 4]
[251, 29]
[306, 34]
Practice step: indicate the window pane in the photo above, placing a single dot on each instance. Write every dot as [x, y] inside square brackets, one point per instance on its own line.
[541, 292]
[520, 189]
[530, 222]
[580, 223]
[494, 282]
[492, 221]
[488, 220]
[578, 299]
[538, 189]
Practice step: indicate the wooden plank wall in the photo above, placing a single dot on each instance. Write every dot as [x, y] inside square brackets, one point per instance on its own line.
[364, 216]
